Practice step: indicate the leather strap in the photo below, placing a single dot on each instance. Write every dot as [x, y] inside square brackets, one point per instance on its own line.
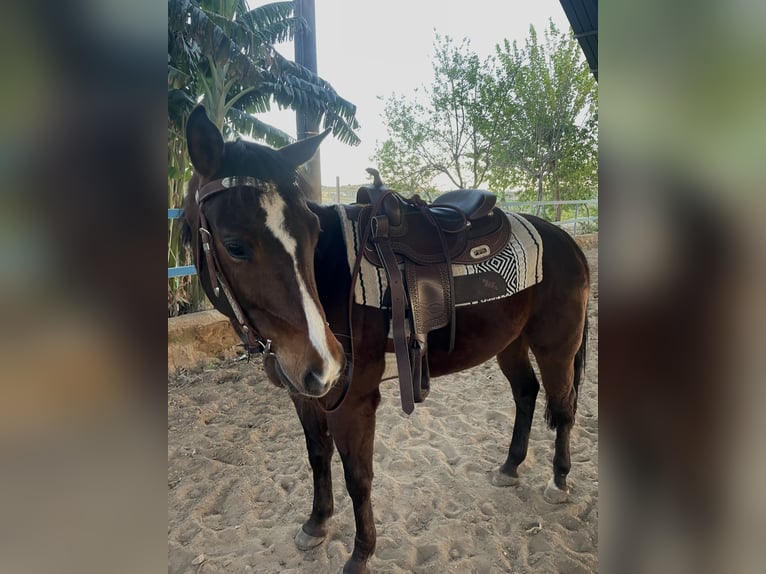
[379, 224]
[251, 339]
[380, 238]
[354, 276]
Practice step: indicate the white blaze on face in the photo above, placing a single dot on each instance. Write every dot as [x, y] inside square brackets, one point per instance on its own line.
[274, 206]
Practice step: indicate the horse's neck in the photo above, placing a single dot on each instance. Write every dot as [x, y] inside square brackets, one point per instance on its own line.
[333, 276]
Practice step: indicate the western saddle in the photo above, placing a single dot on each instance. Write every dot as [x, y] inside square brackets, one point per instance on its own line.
[416, 244]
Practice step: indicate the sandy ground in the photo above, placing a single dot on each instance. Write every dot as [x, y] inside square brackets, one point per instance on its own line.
[239, 482]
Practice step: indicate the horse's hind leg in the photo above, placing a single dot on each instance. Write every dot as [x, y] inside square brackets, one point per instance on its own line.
[320, 449]
[514, 362]
[558, 376]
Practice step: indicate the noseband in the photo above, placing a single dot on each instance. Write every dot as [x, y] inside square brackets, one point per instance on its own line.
[252, 341]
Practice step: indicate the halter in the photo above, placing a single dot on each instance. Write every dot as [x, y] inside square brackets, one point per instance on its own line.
[252, 340]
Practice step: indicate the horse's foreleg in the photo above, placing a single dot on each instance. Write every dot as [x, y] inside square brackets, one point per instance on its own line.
[354, 433]
[514, 362]
[320, 449]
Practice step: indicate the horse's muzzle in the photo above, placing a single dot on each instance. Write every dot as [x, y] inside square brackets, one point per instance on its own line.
[311, 383]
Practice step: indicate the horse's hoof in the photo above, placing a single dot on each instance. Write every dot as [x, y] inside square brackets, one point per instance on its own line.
[554, 494]
[306, 542]
[501, 479]
[355, 568]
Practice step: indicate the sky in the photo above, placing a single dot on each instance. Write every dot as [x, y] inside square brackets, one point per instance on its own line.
[372, 49]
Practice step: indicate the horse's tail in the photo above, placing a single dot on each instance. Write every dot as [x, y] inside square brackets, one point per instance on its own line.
[562, 413]
[579, 360]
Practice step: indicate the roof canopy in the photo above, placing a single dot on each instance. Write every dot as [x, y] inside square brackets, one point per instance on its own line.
[583, 16]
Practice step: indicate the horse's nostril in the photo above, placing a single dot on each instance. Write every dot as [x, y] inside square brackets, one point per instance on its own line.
[312, 383]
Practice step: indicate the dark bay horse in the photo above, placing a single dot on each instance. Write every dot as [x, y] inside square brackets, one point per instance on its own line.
[276, 265]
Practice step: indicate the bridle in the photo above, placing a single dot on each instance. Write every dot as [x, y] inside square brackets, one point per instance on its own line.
[252, 340]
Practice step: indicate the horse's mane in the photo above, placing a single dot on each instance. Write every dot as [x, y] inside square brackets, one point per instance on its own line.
[185, 233]
[265, 163]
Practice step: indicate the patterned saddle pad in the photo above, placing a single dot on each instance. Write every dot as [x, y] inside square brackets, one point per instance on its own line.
[516, 267]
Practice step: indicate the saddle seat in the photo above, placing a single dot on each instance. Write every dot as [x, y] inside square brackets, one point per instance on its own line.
[460, 226]
[473, 203]
[416, 244]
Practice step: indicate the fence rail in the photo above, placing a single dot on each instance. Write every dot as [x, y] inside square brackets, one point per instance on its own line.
[183, 270]
[191, 270]
[566, 222]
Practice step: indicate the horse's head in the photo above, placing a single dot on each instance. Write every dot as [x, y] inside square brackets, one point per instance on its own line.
[262, 236]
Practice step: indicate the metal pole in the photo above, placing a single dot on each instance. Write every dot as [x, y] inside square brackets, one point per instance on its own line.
[307, 124]
[575, 223]
[337, 188]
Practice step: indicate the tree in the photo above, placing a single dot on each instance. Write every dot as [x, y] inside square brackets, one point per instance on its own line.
[450, 135]
[222, 54]
[522, 121]
[551, 132]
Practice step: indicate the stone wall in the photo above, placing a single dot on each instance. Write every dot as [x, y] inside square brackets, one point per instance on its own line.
[199, 338]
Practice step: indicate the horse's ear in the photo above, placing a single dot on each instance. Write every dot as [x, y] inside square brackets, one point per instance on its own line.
[300, 152]
[205, 143]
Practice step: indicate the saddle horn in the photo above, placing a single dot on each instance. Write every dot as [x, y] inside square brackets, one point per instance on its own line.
[376, 181]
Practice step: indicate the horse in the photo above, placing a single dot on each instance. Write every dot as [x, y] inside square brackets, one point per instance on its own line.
[275, 264]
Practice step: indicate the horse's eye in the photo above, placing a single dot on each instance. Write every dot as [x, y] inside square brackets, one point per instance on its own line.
[236, 250]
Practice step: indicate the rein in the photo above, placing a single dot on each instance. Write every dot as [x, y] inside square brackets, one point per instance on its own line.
[252, 340]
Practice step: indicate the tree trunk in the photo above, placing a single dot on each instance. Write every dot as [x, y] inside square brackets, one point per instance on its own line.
[539, 192]
[557, 197]
[308, 124]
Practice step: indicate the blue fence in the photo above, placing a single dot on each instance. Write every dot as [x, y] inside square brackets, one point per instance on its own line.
[185, 269]
[513, 205]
